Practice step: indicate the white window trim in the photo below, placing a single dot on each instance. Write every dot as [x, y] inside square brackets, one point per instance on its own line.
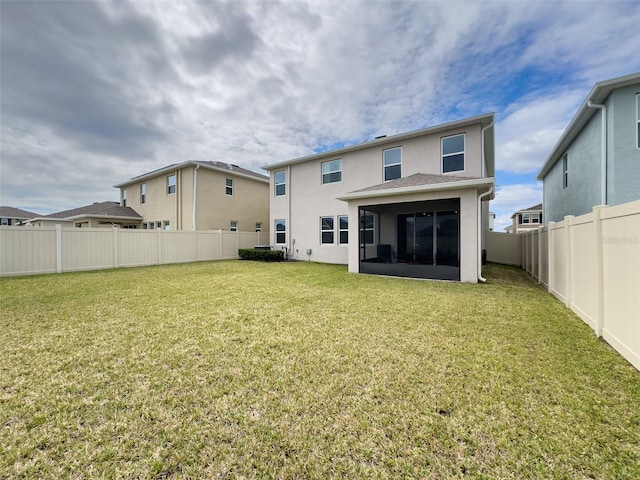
[143, 193]
[175, 184]
[333, 230]
[340, 230]
[442, 154]
[384, 166]
[258, 227]
[276, 184]
[322, 174]
[565, 171]
[276, 231]
[227, 187]
[232, 227]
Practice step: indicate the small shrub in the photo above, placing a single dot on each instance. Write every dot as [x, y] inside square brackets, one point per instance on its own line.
[261, 255]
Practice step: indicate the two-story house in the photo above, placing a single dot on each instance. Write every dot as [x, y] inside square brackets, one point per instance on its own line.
[526, 219]
[197, 195]
[413, 204]
[596, 160]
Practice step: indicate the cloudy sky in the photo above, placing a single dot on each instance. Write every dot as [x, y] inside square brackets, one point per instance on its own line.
[94, 93]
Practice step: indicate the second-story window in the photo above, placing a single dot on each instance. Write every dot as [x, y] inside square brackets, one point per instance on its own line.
[280, 180]
[171, 184]
[453, 153]
[143, 193]
[392, 160]
[565, 171]
[229, 186]
[332, 171]
[124, 197]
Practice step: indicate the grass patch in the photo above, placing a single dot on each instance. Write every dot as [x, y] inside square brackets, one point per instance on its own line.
[300, 370]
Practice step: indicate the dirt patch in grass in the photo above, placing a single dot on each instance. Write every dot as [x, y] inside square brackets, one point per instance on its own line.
[301, 370]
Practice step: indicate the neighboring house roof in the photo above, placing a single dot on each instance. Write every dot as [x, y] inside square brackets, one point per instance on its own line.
[535, 208]
[418, 183]
[12, 212]
[485, 120]
[598, 94]
[99, 209]
[211, 165]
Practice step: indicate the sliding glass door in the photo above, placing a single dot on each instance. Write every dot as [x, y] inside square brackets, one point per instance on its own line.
[429, 238]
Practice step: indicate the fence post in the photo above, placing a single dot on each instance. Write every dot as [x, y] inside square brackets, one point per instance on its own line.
[58, 248]
[568, 222]
[159, 246]
[551, 255]
[116, 260]
[597, 219]
[539, 256]
[220, 237]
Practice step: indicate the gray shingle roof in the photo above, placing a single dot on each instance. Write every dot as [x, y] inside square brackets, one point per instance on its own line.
[12, 212]
[415, 180]
[111, 209]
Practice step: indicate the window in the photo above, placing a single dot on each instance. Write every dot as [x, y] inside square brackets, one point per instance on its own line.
[229, 186]
[638, 120]
[144, 226]
[535, 217]
[326, 230]
[280, 181]
[171, 184]
[281, 231]
[167, 226]
[143, 193]
[366, 228]
[152, 225]
[6, 221]
[124, 197]
[258, 227]
[343, 229]
[159, 225]
[453, 153]
[565, 171]
[392, 160]
[332, 171]
[233, 225]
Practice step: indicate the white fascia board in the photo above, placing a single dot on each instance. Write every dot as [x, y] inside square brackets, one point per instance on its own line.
[475, 183]
[110, 217]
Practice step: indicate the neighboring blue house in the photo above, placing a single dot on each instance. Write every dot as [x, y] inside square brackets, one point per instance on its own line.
[591, 165]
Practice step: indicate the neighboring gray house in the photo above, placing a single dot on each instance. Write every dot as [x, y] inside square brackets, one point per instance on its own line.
[413, 204]
[597, 159]
[14, 216]
[96, 215]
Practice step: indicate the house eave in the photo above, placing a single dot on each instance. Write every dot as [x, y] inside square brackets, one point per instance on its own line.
[598, 94]
[484, 120]
[458, 185]
[179, 166]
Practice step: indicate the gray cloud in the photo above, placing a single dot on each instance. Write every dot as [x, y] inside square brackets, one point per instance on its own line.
[94, 93]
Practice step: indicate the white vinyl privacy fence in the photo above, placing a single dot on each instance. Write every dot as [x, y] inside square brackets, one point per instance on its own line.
[34, 250]
[592, 264]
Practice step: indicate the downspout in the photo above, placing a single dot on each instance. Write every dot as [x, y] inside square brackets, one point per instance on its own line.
[289, 212]
[603, 154]
[480, 197]
[195, 199]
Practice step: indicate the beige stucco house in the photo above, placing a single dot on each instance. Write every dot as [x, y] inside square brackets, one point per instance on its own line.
[199, 196]
[11, 216]
[414, 204]
[526, 219]
[96, 215]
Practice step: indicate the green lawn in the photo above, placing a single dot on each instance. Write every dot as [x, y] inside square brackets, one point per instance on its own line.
[300, 370]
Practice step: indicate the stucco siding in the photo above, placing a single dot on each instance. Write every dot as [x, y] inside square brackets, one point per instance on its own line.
[623, 180]
[583, 190]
